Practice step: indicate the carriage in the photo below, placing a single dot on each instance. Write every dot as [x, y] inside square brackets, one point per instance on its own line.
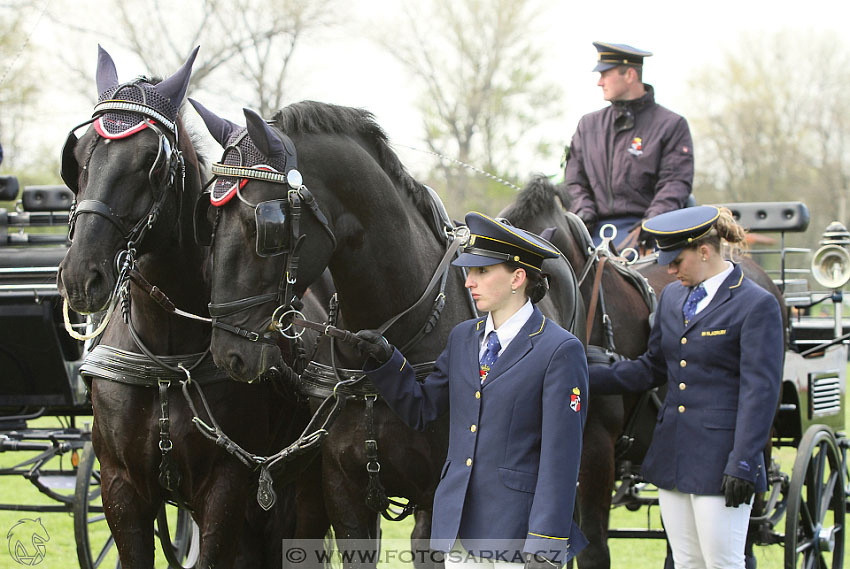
[45, 414]
[804, 508]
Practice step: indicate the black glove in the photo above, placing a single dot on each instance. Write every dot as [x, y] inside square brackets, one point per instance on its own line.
[374, 345]
[737, 490]
[534, 561]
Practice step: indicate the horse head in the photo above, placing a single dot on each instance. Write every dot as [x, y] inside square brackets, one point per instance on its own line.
[269, 243]
[127, 175]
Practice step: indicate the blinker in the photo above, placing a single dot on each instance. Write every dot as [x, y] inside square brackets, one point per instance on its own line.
[69, 169]
[272, 236]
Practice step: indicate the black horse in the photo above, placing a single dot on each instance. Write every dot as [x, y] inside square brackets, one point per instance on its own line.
[136, 176]
[385, 240]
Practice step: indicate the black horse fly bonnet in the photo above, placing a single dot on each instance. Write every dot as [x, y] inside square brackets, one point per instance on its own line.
[124, 110]
[240, 151]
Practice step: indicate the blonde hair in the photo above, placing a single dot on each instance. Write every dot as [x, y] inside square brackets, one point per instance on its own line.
[725, 237]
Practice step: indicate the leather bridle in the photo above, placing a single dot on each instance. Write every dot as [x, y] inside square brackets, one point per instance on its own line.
[298, 198]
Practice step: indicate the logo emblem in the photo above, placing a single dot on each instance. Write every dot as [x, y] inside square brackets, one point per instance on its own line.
[26, 542]
[575, 400]
[636, 148]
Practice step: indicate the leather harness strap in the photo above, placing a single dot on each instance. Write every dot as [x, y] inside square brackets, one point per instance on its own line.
[594, 297]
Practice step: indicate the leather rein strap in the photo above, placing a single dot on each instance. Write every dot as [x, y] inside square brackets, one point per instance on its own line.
[594, 297]
[350, 338]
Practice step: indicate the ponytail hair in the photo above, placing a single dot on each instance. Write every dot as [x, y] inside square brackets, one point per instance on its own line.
[726, 231]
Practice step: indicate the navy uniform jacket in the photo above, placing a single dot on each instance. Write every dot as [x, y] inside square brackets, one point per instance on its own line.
[514, 443]
[723, 372]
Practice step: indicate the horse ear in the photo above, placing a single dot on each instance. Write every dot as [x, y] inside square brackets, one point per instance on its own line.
[106, 76]
[220, 129]
[174, 88]
[263, 136]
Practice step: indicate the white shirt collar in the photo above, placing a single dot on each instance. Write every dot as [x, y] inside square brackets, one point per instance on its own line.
[511, 327]
[712, 285]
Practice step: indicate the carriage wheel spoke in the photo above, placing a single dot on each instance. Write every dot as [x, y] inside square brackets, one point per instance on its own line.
[827, 496]
[104, 551]
[807, 524]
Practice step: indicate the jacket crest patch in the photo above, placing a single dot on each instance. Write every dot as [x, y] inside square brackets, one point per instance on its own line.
[575, 400]
[636, 148]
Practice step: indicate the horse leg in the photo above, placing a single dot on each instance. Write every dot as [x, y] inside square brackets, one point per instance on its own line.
[130, 503]
[420, 542]
[220, 514]
[355, 524]
[596, 479]
[312, 524]
[130, 519]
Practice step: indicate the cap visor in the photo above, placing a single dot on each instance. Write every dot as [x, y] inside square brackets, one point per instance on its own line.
[470, 260]
[667, 257]
[604, 66]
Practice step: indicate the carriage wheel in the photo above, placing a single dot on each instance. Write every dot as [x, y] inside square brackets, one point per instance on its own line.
[182, 551]
[814, 524]
[844, 445]
[95, 545]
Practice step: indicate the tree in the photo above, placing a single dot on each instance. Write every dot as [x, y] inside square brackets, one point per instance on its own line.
[18, 74]
[770, 124]
[480, 69]
[247, 45]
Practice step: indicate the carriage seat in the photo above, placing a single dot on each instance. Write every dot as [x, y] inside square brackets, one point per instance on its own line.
[38, 358]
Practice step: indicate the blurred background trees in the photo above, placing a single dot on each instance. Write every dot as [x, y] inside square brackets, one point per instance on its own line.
[770, 123]
[481, 90]
[767, 114]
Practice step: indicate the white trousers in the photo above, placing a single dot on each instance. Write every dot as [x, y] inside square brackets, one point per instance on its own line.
[458, 557]
[704, 533]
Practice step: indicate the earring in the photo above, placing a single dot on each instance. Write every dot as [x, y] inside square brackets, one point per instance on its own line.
[703, 259]
[513, 291]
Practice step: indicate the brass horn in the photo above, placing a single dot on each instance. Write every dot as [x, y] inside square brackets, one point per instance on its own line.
[831, 263]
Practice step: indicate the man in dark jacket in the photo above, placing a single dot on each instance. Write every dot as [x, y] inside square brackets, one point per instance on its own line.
[631, 160]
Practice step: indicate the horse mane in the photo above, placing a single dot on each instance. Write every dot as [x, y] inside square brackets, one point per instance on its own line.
[538, 197]
[197, 138]
[314, 117]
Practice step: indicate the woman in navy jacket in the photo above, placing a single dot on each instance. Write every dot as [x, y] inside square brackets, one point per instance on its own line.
[717, 342]
[508, 486]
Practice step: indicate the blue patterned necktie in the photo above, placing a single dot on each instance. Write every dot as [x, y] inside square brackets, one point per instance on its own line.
[490, 354]
[690, 308]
